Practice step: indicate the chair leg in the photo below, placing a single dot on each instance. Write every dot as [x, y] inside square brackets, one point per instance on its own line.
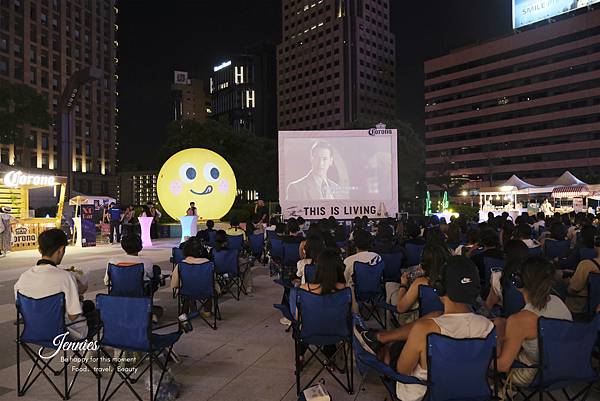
[297, 357]
[18, 364]
[99, 377]
[351, 363]
[66, 369]
[151, 377]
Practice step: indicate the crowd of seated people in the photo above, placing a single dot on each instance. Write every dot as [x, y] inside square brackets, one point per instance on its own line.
[552, 287]
[454, 261]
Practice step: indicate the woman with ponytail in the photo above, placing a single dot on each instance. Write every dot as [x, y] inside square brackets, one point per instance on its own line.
[518, 335]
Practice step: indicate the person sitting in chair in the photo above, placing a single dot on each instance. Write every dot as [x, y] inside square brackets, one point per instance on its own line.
[459, 287]
[132, 245]
[518, 335]
[47, 278]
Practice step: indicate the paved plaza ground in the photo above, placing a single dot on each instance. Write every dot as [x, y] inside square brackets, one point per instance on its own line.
[249, 357]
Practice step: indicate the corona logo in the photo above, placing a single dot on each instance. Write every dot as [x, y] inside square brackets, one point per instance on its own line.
[379, 130]
[17, 179]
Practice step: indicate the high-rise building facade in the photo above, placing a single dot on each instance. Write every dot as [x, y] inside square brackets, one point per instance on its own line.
[44, 44]
[188, 98]
[335, 64]
[526, 104]
[137, 187]
[243, 91]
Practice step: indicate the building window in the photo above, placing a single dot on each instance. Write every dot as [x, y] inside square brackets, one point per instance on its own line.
[239, 74]
[250, 101]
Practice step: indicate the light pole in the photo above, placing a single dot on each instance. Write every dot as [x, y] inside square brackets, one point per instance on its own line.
[67, 101]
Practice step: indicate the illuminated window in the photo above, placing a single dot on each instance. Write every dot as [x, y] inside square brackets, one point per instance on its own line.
[239, 74]
[250, 98]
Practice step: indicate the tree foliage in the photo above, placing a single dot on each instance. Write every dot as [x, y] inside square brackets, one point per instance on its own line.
[253, 159]
[411, 156]
[20, 105]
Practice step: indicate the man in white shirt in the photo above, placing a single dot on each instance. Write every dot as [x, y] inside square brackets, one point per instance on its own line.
[362, 241]
[540, 222]
[460, 286]
[132, 245]
[46, 278]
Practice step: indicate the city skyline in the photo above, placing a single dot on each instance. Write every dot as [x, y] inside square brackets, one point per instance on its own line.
[144, 102]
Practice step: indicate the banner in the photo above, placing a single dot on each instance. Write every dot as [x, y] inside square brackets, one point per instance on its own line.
[526, 12]
[88, 227]
[343, 174]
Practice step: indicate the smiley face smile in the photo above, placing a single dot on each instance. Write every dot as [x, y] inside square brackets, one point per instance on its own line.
[206, 191]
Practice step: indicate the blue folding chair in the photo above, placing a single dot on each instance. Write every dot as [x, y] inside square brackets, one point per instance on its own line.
[197, 285]
[537, 251]
[565, 359]
[369, 291]
[392, 266]
[457, 369]
[39, 323]
[593, 299]
[556, 249]
[271, 235]
[587, 253]
[310, 272]
[322, 320]
[276, 255]
[176, 256]
[413, 254]
[257, 244]
[291, 254]
[127, 281]
[212, 238]
[127, 326]
[227, 271]
[512, 300]
[235, 242]
[491, 264]
[429, 301]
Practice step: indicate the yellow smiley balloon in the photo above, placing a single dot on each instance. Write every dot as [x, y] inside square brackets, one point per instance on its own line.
[200, 176]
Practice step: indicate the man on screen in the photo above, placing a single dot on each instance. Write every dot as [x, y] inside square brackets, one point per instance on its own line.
[315, 185]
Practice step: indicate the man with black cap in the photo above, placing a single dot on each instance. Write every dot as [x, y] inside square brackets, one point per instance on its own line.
[458, 287]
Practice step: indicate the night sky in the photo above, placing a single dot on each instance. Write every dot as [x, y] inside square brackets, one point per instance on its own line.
[158, 37]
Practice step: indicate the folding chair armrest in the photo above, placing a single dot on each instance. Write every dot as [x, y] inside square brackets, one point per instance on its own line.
[164, 326]
[400, 378]
[521, 365]
[282, 283]
[78, 320]
[388, 307]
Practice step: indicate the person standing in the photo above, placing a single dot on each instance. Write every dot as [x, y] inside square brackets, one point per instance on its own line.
[127, 221]
[261, 212]
[115, 223]
[155, 214]
[6, 221]
[192, 211]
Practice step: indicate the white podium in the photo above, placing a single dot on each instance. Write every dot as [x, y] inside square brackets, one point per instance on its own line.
[189, 227]
[145, 224]
[78, 232]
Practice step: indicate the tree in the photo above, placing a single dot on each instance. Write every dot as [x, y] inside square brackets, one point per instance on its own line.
[20, 106]
[253, 159]
[411, 156]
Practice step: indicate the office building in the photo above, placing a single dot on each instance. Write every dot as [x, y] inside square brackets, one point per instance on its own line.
[137, 187]
[335, 64]
[188, 99]
[50, 46]
[526, 104]
[243, 91]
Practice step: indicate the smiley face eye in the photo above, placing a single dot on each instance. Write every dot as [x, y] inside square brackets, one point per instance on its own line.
[187, 172]
[211, 172]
